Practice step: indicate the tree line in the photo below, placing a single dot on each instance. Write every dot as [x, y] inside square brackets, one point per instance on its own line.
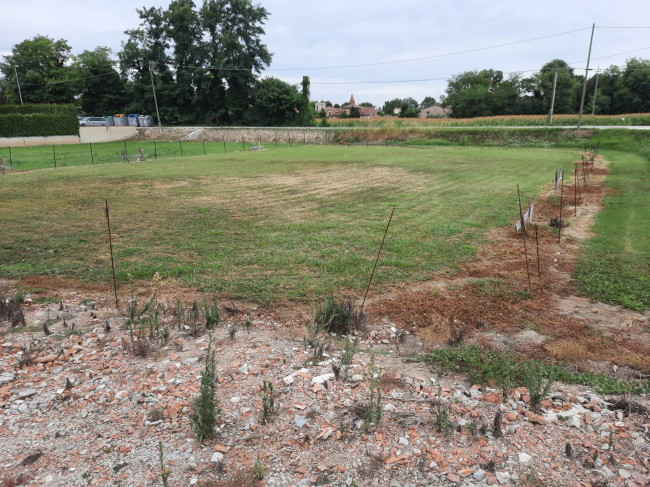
[487, 92]
[204, 62]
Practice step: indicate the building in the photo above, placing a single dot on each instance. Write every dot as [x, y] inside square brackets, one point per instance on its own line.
[435, 111]
[331, 112]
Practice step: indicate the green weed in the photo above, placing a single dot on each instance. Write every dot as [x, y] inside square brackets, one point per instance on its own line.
[205, 405]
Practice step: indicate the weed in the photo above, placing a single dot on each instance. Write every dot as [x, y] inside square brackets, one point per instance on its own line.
[538, 380]
[338, 316]
[472, 428]
[205, 406]
[496, 425]
[164, 471]
[259, 470]
[348, 354]
[28, 354]
[457, 333]
[389, 381]
[179, 314]
[232, 329]
[211, 313]
[268, 401]
[193, 314]
[155, 414]
[443, 422]
[373, 410]
[11, 309]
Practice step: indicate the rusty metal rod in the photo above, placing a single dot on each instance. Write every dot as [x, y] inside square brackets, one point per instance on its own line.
[110, 243]
[377, 259]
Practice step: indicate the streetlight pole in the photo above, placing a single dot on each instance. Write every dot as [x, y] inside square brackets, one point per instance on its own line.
[584, 86]
[20, 94]
[155, 100]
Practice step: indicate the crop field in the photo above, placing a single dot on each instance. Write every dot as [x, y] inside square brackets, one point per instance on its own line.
[268, 226]
[500, 121]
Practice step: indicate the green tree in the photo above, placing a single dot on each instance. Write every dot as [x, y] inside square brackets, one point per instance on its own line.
[41, 64]
[366, 104]
[568, 89]
[390, 106]
[98, 85]
[469, 93]
[275, 103]
[428, 101]
[306, 111]
[355, 113]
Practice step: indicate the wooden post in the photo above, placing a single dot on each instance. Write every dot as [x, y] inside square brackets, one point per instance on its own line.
[575, 190]
[155, 150]
[523, 236]
[180, 143]
[11, 162]
[376, 260]
[203, 147]
[126, 153]
[54, 156]
[92, 158]
[110, 243]
[224, 143]
[242, 143]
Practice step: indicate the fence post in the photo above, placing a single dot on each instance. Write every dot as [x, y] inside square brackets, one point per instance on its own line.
[180, 142]
[126, 152]
[289, 139]
[11, 162]
[224, 143]
[155, 150]
[276, 139]
[92, 158]
[204, 147]
[54, 156]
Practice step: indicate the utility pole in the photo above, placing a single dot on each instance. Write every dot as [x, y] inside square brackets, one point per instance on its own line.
[593, 105]
[550, 121]
[584, 85]
[20, 94]
[155, 100]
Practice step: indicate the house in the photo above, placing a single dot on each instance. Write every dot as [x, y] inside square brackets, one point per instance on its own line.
[331, 112]
[435, 111]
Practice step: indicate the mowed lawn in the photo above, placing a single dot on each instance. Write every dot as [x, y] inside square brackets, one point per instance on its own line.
[265, 226]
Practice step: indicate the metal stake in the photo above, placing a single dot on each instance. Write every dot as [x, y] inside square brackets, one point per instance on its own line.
[523, 235]
[110, 243]
[376, 260]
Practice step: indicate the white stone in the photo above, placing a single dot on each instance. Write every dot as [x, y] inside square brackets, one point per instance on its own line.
[6, 377]
[234, 400]
[243, 369]
[574, 422]
[525, 457]
[216, 457]
[403, 441]
[356, 378]
[503, 477]
[322, 378]
[624, 473]
[389, 407]
[479, 474]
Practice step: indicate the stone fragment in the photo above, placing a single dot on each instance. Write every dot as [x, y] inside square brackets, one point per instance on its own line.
[356, 378]
[525, 458]
[625, 474]
[299, 421]
[216, 457]
[322, 378]
[25, 393]
[479, 474]
[6, 377]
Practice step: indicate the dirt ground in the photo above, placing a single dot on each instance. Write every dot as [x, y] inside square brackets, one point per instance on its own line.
[78, 406]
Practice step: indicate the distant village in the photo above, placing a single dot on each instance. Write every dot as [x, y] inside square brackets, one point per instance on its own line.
[433, 111]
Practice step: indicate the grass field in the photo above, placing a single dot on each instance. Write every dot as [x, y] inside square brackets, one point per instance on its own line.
[285, 223]
[616, 265]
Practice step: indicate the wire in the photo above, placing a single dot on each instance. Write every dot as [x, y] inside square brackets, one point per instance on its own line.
[453, 53]
[68, 80]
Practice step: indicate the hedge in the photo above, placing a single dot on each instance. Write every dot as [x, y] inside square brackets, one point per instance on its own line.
[39, 124]
[37, 108]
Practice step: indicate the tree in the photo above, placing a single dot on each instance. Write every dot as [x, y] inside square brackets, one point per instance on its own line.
[355, 113]
[41, 64]
[306, 110]
[428, 101]
[275, 103]
[390, 106]
[469, 93]
[366, 104]
[98, 85]
[568, 89]
[215, 52]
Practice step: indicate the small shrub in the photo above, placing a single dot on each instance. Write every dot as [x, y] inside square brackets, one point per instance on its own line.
[496, 425]
[164, 471]
[232, 330]
[348, 354]
[259, 470]
[156, 414]
[205, 406]
[268, 401]
[457, 333]
[338, 316]
[538, 380]
[443, 422]
[373, 411]
[211, 313]
[179, 314]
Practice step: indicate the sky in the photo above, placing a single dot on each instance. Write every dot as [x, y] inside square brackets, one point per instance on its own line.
[377, 49]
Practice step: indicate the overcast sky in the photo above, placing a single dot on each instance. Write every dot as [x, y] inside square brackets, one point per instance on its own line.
[335, 35]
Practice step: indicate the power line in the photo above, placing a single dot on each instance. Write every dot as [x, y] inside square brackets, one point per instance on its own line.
[453, 53]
